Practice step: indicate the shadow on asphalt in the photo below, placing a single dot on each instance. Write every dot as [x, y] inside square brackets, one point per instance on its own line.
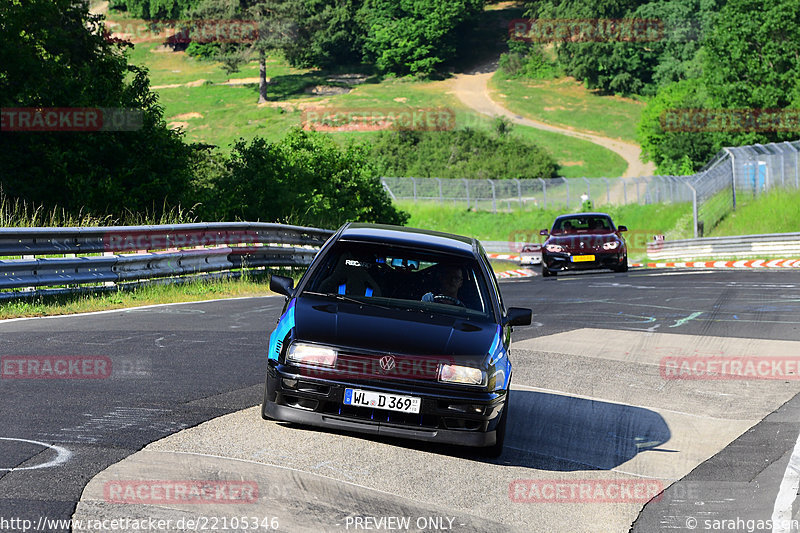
[557, 433]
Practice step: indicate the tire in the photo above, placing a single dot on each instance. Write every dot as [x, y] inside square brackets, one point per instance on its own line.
[264, 414]
[546, 272]
[624, 266]
[496, 449]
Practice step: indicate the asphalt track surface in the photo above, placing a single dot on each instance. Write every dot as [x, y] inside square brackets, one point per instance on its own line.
[589, 405]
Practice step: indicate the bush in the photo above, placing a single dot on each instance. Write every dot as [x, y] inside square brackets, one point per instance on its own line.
[306, 179]
[463, 153]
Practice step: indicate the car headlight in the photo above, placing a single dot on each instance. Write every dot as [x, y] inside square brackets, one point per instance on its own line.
[610, 245]
[554, 248]
[466, 375]
[311, 354]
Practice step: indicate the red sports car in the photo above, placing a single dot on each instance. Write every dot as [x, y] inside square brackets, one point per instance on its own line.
[584, 241]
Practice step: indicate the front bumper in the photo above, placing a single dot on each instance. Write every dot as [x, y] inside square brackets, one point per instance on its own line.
[530, 259]
[563, 261]
[447, 415]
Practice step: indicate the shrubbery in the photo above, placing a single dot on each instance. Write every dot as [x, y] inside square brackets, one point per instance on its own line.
[465, 153]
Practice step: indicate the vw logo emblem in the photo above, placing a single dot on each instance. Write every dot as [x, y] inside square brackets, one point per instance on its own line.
[387, 363]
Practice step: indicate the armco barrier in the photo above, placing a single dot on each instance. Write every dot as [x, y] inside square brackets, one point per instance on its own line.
[784, 245]
[126, 254]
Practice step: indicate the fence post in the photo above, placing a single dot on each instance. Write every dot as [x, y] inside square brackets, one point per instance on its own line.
[624, 190]
[796, 165]
[441, 199]
[588, 188]
[544, 191]
[733, 174]
[494, 196]
[694, 206]
[387, 189]
[608, 191]
[414, 184]
[638, 197]
[466, 184]
[519, 191]
[567, 182]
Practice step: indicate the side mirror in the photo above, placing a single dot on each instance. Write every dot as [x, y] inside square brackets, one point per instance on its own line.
[622, 228]
[518, 316]
[281, 285]
[544, 232]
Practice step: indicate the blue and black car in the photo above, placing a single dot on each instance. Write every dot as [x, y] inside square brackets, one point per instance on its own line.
[398, 332]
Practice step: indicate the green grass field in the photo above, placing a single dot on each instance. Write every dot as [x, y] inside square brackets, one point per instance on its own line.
[643, 221]
[567, 103]
[196, 97]
[778, 211]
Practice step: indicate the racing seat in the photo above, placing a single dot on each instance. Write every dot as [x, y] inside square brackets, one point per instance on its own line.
[351, 279]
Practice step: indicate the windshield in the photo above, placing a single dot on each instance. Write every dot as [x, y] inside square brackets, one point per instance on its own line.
[582, 224]
[402, 278]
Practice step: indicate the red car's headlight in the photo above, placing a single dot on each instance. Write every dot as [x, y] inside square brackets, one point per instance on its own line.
[613, 245]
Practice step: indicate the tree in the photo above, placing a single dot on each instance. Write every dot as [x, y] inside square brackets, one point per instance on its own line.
[53, 54]
[414, 36]
[306, 178]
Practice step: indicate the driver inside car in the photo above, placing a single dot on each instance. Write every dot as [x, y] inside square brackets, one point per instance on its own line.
[450, 279]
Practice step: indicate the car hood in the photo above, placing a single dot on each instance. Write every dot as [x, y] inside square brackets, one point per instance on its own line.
[397, 331]
[583, 242]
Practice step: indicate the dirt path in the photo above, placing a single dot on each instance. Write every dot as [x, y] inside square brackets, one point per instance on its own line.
[99, 8]
[472, 89]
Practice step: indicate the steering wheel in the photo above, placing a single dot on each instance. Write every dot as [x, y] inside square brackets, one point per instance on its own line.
[444, 299]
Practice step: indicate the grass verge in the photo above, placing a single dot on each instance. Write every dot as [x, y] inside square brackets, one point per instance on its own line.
[144, 295]
[567, 103]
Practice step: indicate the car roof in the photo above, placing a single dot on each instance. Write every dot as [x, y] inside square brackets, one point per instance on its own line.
[410, 237]
[578, 215]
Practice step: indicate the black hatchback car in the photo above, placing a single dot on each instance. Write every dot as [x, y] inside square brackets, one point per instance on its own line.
[398, 332]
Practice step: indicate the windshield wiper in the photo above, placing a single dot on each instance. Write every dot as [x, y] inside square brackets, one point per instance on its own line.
[346, 298]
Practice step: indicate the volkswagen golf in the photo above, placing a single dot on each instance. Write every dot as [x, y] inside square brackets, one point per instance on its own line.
[397, 332]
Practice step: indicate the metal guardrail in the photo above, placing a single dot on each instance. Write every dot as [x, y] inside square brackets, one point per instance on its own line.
[785, 245]
[125, 254]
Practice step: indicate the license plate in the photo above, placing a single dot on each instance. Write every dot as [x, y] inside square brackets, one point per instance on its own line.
[381, 400]
[582, 258]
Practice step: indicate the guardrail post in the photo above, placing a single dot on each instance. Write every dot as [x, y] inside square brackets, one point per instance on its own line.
[544, 191]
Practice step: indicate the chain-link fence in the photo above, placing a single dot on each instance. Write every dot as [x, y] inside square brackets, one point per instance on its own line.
[736, 175]
[732, 177]
[558, 193]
